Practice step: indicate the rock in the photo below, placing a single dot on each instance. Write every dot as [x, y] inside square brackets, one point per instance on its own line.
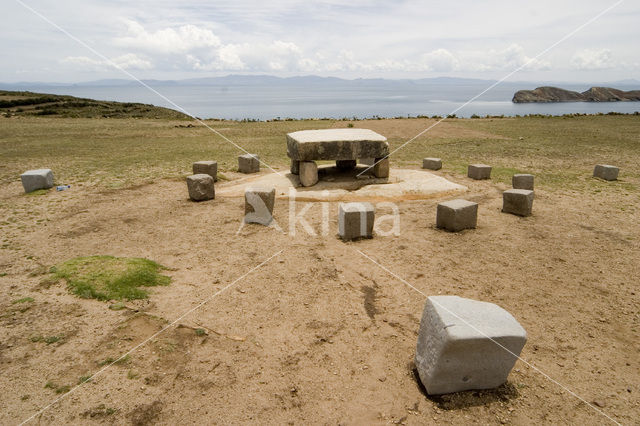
[346, 164]
[258, 205]
[248, 163]
[336, 144]
[606, 172]
[522, 181]
[466, 344]
[201, 187]
[308, 173]
[381, 168]
[33, 180]
[456, 215]
[355, 220]
[206, 167]
[594, 94]
[295, 167]
[517, 201]
[479, 171]
[432, 163]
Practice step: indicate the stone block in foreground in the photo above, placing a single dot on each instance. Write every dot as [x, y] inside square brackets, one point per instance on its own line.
[456, 215]
[201, 187]
[258, 205]
[33, 180]
[206, 167]
[248, 163]
[355, 220]
[465, 344]
[479, 171]
[606, 172]
[517, 201]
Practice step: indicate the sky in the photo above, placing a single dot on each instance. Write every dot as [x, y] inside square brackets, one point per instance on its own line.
[178, 39]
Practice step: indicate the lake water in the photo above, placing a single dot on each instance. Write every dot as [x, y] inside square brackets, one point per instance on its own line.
[351, 99]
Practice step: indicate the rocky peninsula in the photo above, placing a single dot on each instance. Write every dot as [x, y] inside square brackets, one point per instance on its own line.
[594, 94]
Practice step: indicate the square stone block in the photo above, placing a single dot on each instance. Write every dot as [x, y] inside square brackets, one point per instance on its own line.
[432, 163]
[33, 180]
[381, 168]
[206, 167]
[522, 181]
[201, 187]
[479, 171]
[517, 201]
[258, 205]
[308, 173]
[456, 215]
[606, 172]
[248, 163]
[355, 220]
[465, 344]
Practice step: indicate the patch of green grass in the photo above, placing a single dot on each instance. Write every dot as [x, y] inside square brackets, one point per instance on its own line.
[110, 278]
[118, 361]
[3, 274]
[58, 389]
[200, 332]
[48, 339]
[23, 300]
[84, 379]
[37, 192]
[132, 374]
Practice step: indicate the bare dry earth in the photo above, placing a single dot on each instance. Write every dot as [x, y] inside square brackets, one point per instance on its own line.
[319, 334]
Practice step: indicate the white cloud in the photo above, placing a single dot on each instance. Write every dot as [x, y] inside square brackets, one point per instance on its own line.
[507, 59]
[129, 61]
[440, 60]
[182, 39]
[592, 59]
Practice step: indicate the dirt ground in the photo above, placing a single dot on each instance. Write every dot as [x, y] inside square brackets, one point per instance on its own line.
[318, 334]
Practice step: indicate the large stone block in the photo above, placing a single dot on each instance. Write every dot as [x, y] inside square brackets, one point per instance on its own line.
[355, 220]
[336, 144]
[201, 187]
[381, 168]
[258, 205]
[466, 344]
[33, 180]
[606, 172]
[432, 163]
[206, 167]
[456, 215]
[479, 171]
[248, 163]
[522, 181]
[517, 201]
[308, 173]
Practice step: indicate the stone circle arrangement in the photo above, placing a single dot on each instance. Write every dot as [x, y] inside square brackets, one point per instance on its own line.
[462, 344]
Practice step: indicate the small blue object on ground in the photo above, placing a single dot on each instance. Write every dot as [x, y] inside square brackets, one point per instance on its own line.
[62, 187]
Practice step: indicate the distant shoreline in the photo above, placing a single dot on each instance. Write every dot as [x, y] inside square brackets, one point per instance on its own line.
[550, 94]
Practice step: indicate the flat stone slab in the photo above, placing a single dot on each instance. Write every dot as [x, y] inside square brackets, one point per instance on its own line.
[465, 344]
[606, 172]
[402, 184]
[32, 180]
[336, 144]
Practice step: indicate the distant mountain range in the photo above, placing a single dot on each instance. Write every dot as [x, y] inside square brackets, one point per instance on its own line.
[309, 80]
[594, 94]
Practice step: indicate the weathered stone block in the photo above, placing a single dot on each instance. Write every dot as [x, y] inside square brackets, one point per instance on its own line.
[295, 167]
[355, 220]
[606, 172]
[381, 168]
[346, 164]
[206, 167]
[432, 163]
[258, 205]
[336, 144]
[479, 171]
[308, 173]
[33, 180]
[465, 344]
[517, 201]
[456, 215]
[522, 181]
[201, 187]
[248, 163]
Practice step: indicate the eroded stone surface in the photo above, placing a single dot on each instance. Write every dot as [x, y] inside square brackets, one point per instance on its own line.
[479, 171]
[606, 172]
[206, 167]
[33, 180]
[432, 163]
[308, 173]
[466, 344]
[258, 204]
[522, 181]
[517, 201]
[456, 215]
[201, 187]
[248, 163]
[336, 144]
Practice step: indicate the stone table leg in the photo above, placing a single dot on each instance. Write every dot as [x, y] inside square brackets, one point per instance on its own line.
[295, 167]
[381, 169]
[308, 173]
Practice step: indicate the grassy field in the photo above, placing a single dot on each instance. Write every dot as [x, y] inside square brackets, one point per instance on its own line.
[110, 153]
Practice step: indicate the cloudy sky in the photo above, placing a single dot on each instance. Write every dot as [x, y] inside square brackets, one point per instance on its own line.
[170, 39]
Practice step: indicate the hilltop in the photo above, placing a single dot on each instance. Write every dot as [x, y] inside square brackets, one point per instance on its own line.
[39, 104]
[594, 94]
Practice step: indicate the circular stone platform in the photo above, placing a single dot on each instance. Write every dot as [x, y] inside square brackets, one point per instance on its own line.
[336, 185]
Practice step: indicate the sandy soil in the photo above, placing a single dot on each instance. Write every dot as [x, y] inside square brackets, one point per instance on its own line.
[318, 334]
